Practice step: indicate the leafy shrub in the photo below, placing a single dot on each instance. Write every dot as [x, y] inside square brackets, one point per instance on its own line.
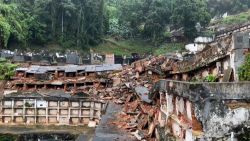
[167, 34]
[244, 70]
[210, 78]
[7, 70]
[207, 33]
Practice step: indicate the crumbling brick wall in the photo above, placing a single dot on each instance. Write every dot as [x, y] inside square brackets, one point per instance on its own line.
[204, 110]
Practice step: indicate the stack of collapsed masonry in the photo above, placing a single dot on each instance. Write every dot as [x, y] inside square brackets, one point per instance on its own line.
[132, 88]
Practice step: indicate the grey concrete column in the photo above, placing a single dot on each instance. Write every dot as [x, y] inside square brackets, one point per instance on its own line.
[58, 110]
[91, 112]
[35, 110]
[47, 113]
[24, 109]
[69, 113]
[12, 108]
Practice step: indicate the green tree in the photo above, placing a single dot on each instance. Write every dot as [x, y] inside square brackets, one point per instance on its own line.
[156, 20]
[146, 18]
[12, 24]
[187, 13]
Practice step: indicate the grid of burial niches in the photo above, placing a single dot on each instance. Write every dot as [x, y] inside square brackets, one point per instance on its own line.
[179, 110]
[176, 106]
[32, 111]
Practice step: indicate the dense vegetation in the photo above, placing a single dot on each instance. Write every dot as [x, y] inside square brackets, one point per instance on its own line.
[83, 23]
[235, 19]
[151, 19]
[70, 23]
[219, 7]
[126, 47]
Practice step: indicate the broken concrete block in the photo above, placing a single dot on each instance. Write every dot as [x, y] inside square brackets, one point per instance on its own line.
[150, 72]
[143, 92]
[139, 135]
[151, 129]
[92, 124]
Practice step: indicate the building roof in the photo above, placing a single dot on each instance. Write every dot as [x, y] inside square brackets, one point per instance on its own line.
[90, 68]
[70, 68]
[48, 95]
[20, 94]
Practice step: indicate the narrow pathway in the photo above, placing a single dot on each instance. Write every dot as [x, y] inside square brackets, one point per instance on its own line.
[109, 132]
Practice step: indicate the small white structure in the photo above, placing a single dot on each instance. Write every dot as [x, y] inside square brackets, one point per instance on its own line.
[203, 40]
[193, 47]
[199, 44]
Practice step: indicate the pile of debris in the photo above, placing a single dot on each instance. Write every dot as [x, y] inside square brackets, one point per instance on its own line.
[133, 88]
